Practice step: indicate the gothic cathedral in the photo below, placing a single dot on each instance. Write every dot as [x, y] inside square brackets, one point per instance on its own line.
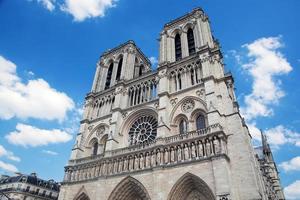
[174, 133]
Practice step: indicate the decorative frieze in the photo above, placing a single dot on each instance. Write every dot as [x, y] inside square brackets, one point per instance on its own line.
[162, 152]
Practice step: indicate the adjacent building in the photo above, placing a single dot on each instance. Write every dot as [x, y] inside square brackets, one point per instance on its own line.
[27, 187]
[174, 133]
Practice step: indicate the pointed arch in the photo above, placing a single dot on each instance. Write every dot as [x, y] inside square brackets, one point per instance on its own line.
[109, 75]
[129, 188]
[119, 69]
[82, 194]
[189, 187]
[178, 51]
[191, 41]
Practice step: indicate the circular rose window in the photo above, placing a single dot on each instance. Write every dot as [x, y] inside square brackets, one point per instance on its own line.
[143, 130]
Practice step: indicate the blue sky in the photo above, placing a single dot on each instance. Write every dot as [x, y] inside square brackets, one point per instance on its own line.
[49, 48]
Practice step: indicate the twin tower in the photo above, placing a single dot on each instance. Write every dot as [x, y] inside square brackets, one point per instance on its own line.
[170, 134]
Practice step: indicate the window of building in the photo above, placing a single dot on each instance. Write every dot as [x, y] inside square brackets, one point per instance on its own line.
[141, 69]
[44, 193]
[183, 126]
[191, 41]
[143, 130]
[119, 70]
[108, 76]
[178, 52]
[27, 188]
[37, 191]
[95, 148]
[200, 122]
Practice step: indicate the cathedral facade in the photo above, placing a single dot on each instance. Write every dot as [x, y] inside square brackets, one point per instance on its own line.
[174, 133]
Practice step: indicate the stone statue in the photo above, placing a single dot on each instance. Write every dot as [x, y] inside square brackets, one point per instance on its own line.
[136, 163]
[172, 158]
[217, 146]
[158, 157]
[153, 159]
[179, 156]
[121, 165]
[166, 156]
[193, 151]
[148, 161]
[208, 148]
[142, 161]
[186, 152]
[200, 149]
[125, 164]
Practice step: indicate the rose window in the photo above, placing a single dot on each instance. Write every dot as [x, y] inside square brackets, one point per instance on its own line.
[143, 130]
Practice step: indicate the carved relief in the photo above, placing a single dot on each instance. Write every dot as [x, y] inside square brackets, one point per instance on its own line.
[188, 105]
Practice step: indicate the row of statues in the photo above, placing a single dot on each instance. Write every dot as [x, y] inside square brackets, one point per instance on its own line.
[169, 155]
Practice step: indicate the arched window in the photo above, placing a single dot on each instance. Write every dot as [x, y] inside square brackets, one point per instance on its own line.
[177, 47]
[141, 69]
[108, 76]
[191, 41]
[183, 126]
[119, 70]
[95, 148]
[200, 122]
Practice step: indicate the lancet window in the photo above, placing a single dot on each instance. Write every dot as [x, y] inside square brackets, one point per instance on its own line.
[191, 41]
[178, 51]
[102, 106]
[183, 126]
[95, 148]
[108, 76]
[142, 92]
[200, 122]
[119, 69]
[185, 77]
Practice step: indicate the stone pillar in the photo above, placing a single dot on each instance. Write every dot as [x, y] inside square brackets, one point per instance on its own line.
[184, 44]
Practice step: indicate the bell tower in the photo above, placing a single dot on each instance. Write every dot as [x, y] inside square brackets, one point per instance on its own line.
[174, 133]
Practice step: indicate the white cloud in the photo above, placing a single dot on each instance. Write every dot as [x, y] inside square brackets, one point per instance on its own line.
[8, 167]
[48, 4]
[36, 99]
[254, 131]
[153, 60]
[265, 64]
[291, 165]
[26, 135]
[53, 153]
[84, 9]
[281, 135]
[8, 154]
[292, 191]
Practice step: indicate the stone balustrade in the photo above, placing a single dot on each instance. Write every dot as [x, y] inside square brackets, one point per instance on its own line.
[163, 152]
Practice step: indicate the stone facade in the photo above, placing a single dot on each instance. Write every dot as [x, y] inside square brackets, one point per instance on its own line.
[170, 134]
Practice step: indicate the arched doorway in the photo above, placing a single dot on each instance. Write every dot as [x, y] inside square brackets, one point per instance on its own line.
[129, 189]
[190, 187]
[82, 196]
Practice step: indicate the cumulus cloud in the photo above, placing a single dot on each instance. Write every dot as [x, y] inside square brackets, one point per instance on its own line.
[53, 153]
[26, 135]
[82, 10]
[8, 167]
[8, 154]
[291, 165]
[265, 64]
[292, 191]
[35, 99]
[48, 4]
[281, 135]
